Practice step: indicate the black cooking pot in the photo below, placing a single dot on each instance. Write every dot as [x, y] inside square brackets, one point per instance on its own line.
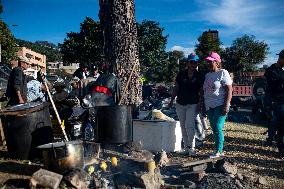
[26, 126]
[62, 156]
[114, 124]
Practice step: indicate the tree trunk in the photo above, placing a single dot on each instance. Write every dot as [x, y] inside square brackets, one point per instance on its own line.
[121, 46]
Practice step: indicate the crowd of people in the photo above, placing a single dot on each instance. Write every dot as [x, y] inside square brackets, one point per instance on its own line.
[198, 95]
[23, 88]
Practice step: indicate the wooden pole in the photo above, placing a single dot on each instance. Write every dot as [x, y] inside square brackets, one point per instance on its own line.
[56, 112]
[3, 140]
[126, 86]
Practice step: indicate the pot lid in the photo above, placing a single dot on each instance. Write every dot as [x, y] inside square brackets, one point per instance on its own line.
[24, 106]
[59, 144]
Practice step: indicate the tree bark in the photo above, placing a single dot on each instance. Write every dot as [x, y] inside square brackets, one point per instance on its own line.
[121, 46]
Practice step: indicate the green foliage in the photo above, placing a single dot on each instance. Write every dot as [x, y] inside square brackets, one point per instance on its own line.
[174, 64]
[244, 54]
[8, 44]
[152, 54]
[85, 46]
[208, 42]
[50, 50]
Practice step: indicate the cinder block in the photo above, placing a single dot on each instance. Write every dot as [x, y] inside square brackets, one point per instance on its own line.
[158, 135]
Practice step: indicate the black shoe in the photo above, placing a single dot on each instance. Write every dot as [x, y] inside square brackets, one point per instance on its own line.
[281, 153]
[268, 142]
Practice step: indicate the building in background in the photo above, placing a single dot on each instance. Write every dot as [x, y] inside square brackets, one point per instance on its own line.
[54, 67]
[213, 33]
[37, 60]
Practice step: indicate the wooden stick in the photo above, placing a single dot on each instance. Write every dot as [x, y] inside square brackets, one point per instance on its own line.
[128, 81]
[56, 112]
[3, 140]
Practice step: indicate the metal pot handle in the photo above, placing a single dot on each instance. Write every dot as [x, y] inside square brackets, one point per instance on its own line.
[53, 150]
[39, 125]
[65, 149]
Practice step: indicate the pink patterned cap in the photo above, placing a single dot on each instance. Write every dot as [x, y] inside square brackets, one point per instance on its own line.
[214, 57]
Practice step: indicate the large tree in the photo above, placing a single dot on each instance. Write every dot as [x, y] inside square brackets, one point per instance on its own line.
[244, 54]
[121, 45]
[152, 54]
[8, 44]
[85, 46]
[209, 41]
[151, 46]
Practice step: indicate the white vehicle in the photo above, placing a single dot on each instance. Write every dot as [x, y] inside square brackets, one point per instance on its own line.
[54, 78]
[31, 72]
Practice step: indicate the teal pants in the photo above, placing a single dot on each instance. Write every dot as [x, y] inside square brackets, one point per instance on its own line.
[217, 121]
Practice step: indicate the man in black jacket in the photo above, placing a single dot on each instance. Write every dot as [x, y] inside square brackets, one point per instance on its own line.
[275, 83]
[17, 83]
[81, 72]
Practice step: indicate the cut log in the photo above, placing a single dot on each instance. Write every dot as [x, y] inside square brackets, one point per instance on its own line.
[200, 162]
[45, 179]
[201, 167]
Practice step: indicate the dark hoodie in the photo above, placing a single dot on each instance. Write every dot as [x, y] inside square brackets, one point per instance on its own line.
[275, 82]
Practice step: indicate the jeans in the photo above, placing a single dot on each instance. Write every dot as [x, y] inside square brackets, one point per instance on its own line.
[217, 121]
[187, 115]
[272, 128]
[279, 114]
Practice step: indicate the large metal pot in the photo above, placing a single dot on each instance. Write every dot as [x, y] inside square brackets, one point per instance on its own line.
[26, 126]
[61, 156]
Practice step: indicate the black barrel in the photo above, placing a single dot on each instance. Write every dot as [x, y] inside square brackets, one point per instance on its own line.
[26, 127]
[114, 124]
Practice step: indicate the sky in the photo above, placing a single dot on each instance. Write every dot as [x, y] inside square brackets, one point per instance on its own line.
[183, 20]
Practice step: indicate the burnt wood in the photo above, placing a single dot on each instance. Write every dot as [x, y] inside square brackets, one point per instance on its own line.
[199, 162]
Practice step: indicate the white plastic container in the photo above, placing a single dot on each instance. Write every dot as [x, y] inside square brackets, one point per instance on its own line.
[158, 135]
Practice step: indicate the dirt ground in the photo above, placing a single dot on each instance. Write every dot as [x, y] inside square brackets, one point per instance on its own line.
[244, 144]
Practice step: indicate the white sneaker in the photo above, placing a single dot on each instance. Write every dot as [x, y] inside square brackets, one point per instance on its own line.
[216, 155]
